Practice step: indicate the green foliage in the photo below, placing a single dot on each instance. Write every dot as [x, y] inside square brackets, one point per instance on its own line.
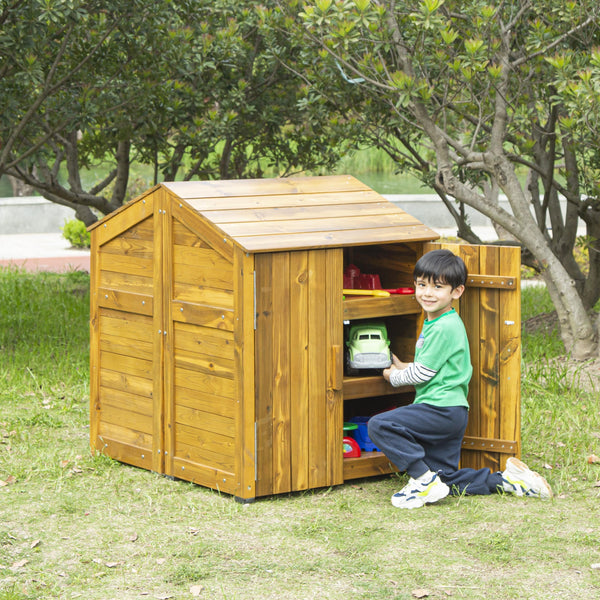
[190, 89]
[75, 232]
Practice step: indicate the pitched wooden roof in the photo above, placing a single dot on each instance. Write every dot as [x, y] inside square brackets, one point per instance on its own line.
[293, 213]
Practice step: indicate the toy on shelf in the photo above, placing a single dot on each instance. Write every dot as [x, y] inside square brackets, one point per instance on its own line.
[368, 284]
[351, 447]
[368, 346]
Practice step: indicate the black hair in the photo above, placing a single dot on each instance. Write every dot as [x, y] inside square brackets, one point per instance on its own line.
[442, 266]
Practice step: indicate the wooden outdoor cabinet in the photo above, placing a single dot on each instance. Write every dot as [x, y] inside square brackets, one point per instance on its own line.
[217, 332]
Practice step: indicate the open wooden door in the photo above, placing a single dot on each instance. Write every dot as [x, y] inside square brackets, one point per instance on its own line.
[491, 311]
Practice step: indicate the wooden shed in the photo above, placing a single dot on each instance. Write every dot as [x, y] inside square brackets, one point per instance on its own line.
[217, 332]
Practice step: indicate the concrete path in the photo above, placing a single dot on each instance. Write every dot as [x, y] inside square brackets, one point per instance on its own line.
[41, 252]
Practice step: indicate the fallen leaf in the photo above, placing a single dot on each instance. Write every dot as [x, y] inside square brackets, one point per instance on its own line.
[421, 593]
[19, 564]
[34, 544]
[8, 481]
[112, 565]
[133, 537]
[64, 463]
[547, 466]
[593, 459]
[196, 590]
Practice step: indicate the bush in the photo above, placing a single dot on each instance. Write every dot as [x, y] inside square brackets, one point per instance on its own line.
[76, 233]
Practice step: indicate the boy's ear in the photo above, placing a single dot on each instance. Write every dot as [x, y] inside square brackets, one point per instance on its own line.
[457, 292]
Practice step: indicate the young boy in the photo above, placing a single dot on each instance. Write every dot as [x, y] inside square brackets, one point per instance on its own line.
[424, 438]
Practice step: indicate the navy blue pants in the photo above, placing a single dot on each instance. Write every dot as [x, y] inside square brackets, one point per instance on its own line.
[421, 437]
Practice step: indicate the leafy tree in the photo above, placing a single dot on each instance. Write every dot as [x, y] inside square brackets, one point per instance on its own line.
[479, 99]
[182, 85]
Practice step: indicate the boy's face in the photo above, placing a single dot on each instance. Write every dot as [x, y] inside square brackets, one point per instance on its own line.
[436, 297]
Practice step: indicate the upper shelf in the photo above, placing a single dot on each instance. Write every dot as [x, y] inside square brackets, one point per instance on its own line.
[368, 307]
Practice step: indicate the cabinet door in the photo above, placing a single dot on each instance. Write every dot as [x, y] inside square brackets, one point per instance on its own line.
[491, 311]
[299, 371]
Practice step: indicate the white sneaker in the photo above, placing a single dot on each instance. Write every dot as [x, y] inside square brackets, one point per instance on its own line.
[417, 493]
[520, 480]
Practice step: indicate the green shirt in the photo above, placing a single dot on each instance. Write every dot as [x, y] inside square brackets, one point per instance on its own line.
[443, 347]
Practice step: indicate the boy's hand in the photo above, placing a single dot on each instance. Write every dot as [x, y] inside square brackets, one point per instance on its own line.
[396, 364]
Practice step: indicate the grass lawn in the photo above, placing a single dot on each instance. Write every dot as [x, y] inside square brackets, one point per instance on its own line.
[76, 525]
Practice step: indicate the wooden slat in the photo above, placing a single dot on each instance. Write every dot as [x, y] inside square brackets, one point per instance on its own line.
[245, 368]
[131, 454]
[136, 242]
[126, 301]
[510, 353]
[365, 307]
[373, 385]
[206, 341]
[369, 464]
[299, 391]
[501, 282]
[305, 213]
[94, 359]
[280, 360]
[205, 421]
[211, 365]
[128, 364]
[134, 284]
[206, 475]
[205, 231]
[334, 264]
[187, 292]
[319, 224]
[264, 375]
[202, 267]
[264, 187]
[139, 386]
[218, 460]
[490, 445]
[130, 402]
[201, 401]
[124, 218]
[199, 314]
[122, 345]
[210, 384]
[128, 420]
[130, 265]
[317, 365]
[329, 239]
[292, 200]
[126, 325]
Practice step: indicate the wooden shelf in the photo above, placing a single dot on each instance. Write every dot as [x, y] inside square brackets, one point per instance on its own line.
[367, 465]
[367, 387]
[367, 307]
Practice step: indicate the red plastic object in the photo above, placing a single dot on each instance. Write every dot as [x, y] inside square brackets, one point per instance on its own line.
[368, 281]
[403, 290]
[351, 448]
[351, 276]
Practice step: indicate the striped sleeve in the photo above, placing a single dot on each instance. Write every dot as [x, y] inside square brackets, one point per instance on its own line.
[414, 374]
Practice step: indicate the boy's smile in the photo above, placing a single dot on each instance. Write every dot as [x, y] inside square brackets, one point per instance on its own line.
[436, 297]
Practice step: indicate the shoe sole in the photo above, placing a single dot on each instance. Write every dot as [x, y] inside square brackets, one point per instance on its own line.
[521, 467]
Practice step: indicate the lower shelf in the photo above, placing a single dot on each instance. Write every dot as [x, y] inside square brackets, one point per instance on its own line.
[367, 465]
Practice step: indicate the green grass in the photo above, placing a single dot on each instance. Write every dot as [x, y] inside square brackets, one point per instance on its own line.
[79, 525]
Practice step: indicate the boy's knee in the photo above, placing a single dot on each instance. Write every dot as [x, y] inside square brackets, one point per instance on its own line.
[374, 425]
